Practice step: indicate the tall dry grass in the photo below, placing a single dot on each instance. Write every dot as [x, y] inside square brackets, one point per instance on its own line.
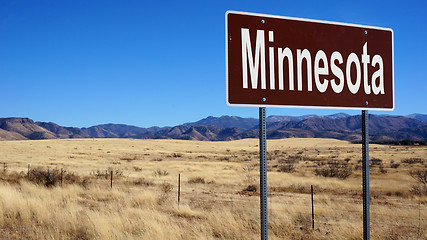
[143, 201]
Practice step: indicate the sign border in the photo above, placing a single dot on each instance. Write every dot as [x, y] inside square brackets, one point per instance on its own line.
[304, 20]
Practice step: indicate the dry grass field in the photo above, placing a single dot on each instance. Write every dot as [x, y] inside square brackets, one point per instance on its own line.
[219, 189]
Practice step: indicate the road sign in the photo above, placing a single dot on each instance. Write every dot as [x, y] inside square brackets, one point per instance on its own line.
[274, 61]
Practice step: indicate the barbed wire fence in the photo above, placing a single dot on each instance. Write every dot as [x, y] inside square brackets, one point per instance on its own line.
[327, 214]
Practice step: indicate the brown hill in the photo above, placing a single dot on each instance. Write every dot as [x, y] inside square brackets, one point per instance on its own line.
[25, 127]
[63, 132]
[6, 135]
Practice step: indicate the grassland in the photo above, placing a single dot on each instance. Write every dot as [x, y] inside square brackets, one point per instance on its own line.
[219, 184]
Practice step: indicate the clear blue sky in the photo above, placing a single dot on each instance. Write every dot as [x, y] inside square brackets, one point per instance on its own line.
[147, 63]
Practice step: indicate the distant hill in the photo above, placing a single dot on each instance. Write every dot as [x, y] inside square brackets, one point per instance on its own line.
[421, 117]
[117, 131]
[7, 135]
[63, 132]
[227, 122]
[342, 126]
[275, 118]
[349, 128]
[23, 128]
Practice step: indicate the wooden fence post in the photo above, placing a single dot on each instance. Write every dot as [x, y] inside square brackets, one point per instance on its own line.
[312, 207]
[179, 188]
[111, 184]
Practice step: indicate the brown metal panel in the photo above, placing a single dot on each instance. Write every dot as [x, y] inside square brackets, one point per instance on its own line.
[313, 36]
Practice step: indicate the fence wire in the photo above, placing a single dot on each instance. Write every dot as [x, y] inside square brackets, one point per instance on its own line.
[321, 217]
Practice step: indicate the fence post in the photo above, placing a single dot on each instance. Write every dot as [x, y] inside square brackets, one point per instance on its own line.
[4, 167]
[28, 173]
[111, 184]
[61, 176]
[312, 207]
[419, 219]
[48, 178]
[179, 188]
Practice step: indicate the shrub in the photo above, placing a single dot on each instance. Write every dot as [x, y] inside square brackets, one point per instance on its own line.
[375, 161]
[335, 168]
[129, 158]
[287, 168]
[160, 173]
[294, 158]
[196, 180]
[70, 178]
[100, 173]
[137, 169]
[251, 188]
[142, 181]
[13, 177]
[42, 177]
[394, 165]
[49, 177]
[419, 190]
[165, 189]
[382, 170]
[419, 175]
[413, 160]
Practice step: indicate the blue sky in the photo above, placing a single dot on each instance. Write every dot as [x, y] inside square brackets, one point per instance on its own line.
[162, 63]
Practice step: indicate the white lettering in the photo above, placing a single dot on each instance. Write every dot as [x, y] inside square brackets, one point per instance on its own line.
[281, 55]
[271, 54]
[337, 72]
[352, 58]
[305, 54]
[259, 54]
[365, 61]
[256, 61]
[378, 74]
[321, 56]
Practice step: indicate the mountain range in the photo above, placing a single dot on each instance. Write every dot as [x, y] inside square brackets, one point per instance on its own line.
[382, 128]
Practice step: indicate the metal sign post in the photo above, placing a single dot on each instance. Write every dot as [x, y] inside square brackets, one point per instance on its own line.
[263, 172]
[365, 174]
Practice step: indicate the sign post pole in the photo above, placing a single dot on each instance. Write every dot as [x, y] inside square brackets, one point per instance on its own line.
[365, 174]
[263, 172]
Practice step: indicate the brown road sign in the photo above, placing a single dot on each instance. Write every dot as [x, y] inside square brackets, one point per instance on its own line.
[275, 61]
